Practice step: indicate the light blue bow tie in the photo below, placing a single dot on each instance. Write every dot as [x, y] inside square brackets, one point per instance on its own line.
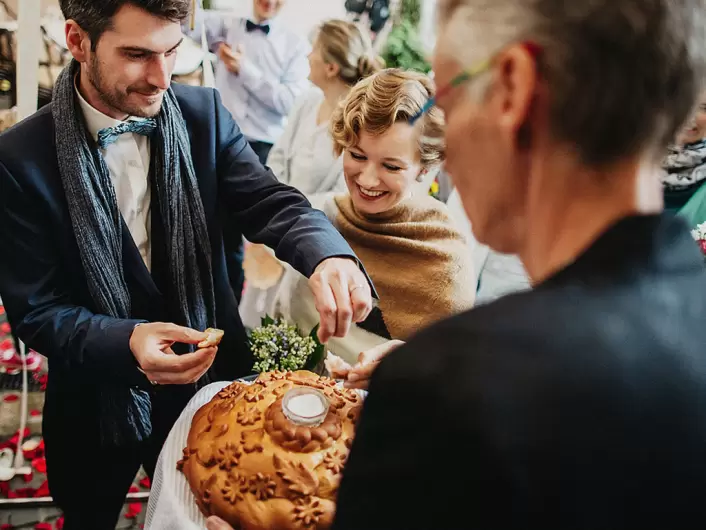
[109, 135]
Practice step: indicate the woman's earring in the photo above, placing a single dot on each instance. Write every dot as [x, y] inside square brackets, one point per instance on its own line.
[420, 177]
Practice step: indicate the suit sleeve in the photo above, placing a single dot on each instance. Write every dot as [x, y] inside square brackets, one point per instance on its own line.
[269, 212]
[35, 290]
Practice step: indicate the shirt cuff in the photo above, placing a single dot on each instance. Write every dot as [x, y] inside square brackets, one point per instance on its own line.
[249, 73]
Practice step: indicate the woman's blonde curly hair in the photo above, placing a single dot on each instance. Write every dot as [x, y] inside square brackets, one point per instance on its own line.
[378, 102]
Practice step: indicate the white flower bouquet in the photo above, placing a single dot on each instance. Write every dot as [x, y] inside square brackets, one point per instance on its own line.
[277, 345]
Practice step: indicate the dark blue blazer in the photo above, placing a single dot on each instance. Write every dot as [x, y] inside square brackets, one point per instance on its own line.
[41, 278]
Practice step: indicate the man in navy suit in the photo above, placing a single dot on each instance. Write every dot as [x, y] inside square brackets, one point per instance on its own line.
[113, 205]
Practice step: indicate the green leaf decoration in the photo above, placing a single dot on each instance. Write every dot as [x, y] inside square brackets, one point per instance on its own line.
[319, 351]
[267, 320]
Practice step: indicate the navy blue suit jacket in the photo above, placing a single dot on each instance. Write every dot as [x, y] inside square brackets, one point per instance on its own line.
[41, 278]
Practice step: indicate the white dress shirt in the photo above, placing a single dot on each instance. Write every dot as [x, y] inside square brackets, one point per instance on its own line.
[273, 73]
[128, 161]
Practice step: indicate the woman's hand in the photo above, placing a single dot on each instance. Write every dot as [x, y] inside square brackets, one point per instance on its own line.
[359, 375]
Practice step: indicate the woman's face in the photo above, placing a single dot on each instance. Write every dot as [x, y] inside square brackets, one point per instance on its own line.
[317, 67]
[695, 129]
[381, 171]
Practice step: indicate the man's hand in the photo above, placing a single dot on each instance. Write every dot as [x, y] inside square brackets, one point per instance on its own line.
[341, 294]
[231, 58]
[151, 344]
[216, 523]
[359, 375]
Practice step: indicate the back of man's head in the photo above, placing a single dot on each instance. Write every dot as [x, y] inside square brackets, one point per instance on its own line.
[622, 75]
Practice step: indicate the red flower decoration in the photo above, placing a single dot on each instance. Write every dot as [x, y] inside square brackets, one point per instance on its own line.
[37, 452]
[40, 464]
[133, 489]
[60, 523]
[28, 477]
[5, 328]
[43, 490]
[6, 526]
[11, 398]
[34, 413]
[7, 344]
[702, 244]
[133, 510]
[2, 312]
[22, 493]
[4, 489]
[146, 483]
[16, 438]
[41, 379]
[43, 526]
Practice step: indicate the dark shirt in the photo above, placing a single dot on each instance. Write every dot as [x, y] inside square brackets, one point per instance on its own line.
[578, 405]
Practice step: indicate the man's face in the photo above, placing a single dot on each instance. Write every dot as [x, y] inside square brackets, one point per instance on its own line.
[482, 159]
[131, 67]
[267, 9]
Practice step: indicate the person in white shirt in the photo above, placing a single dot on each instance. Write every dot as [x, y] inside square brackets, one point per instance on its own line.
[262, 70]
[303, 156]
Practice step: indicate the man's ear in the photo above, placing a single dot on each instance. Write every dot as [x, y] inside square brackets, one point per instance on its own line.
[516, 85]
[77, 41]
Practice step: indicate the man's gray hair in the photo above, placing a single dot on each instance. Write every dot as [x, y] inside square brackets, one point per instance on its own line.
[623, 75]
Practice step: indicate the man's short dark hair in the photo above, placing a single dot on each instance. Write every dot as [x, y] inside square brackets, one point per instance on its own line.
[96, 16]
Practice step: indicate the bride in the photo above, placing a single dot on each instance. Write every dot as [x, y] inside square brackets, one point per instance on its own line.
[416, 257]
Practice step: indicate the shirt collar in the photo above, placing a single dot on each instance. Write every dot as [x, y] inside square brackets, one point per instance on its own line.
[95, 119]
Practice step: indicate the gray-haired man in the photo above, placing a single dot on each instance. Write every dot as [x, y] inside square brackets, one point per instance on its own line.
[579, 404]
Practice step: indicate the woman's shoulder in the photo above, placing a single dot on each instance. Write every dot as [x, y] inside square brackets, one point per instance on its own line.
[425, 208]
[310, 99]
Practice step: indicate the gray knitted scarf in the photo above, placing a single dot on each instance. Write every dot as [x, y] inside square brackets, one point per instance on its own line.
[97, 225]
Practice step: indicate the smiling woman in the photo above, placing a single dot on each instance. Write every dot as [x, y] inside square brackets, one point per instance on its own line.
[415, 255]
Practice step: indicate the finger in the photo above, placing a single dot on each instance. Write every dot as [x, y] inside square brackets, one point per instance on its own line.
[339, 373]
[178, 363]
[361, 297]
[226, 50]
[362, 372]
[180, 378]
[378, 352]
[216, 523]
[344, 311]
[363, 384]
[169, 351]
[325, 304]
[176, 333]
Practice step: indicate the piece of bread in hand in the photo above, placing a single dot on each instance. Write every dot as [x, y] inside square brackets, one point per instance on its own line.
[213, 339]
[337, 367]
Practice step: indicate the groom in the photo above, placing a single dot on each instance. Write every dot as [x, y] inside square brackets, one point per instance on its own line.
[114, 202]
